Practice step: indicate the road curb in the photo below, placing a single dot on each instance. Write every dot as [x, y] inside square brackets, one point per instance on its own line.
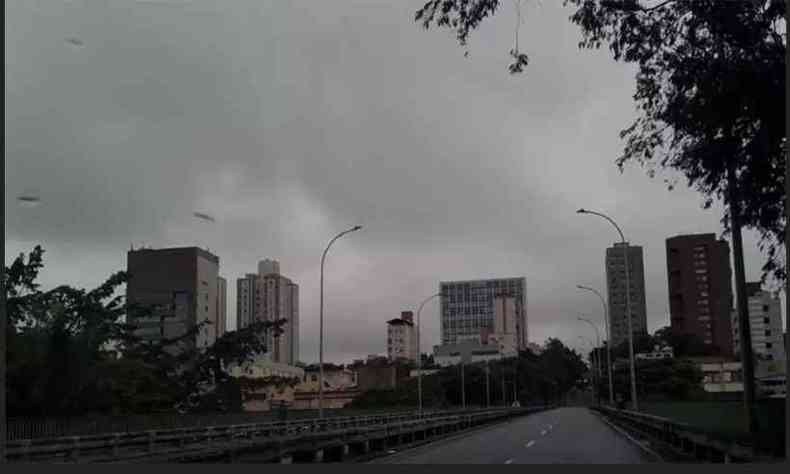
[633, 440]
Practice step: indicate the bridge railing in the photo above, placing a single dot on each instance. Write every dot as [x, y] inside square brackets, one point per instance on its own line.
[694, 441]
[150, 441]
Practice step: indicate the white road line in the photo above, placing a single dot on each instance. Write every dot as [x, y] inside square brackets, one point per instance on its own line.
[508, 461]
[550, 427]
[543, 433]
[529, 445]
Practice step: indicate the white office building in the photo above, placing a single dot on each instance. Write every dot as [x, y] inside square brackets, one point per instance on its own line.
[765, 320]
[467, 309]
[402, 338]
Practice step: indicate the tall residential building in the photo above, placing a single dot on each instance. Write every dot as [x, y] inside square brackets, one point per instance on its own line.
[765, 319]
[180, 286]
[615, 285]
[222, 306]
[269, 296]
[402, 337]
[700, 289]
[467, 309]
[246, 294]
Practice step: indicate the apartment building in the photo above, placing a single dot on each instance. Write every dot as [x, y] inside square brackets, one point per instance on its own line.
[616, 289]
[467, 309]
[700, 290]
[402, 338]
[270, 296]
[178, 288]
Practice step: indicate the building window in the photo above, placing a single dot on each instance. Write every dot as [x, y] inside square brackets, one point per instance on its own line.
[768, 345]
[767, 332]
[766, 320]
[765, 308]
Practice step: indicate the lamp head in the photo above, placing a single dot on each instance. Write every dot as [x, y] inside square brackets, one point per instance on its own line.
[581, 211]
[356, 227]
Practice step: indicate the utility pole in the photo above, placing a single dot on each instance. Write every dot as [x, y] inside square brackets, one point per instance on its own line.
[504, 393]
[747, 360]
[488, 386]
[463, 387]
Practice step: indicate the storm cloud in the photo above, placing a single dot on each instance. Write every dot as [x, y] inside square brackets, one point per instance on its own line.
[288, 122]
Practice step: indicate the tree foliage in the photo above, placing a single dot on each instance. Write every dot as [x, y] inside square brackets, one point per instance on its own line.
[538, 379]
[71, 351]
[710, 92]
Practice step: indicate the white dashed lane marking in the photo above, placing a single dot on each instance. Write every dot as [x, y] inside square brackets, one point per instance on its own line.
[508, 461]
[529, 445]
[543, 433]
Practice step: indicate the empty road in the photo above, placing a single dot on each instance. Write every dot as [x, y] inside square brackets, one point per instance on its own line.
[565, 435]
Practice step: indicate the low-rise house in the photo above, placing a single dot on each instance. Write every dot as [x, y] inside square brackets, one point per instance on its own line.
[265, 383]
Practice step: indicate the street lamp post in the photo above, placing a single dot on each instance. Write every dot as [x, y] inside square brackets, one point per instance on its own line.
[628, 314]
[608, 341]
[597, 359]
[488, 386]
[593, 369]
[321, 325]
[463, 386]
[419, 352]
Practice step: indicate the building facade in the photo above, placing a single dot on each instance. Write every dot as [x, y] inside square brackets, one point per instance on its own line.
[467, 309]
[264, 398]
[504, 335]
[222, 306]
[700, 290]
[469, 352]
[616, 290]
[246, 291]
[402, 338]
[765, 320]
[178, 287]
[269, 296]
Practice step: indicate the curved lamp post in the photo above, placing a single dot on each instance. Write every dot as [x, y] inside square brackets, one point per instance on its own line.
[419, 351]
[321, 325]
[597, 356]
[608, 341]
[628, 314]
[593, 366]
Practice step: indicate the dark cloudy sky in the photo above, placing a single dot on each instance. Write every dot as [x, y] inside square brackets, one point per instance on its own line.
[291, 121]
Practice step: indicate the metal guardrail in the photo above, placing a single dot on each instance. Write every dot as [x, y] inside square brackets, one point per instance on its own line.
[29, 428]
[694, 441]
[146, 443]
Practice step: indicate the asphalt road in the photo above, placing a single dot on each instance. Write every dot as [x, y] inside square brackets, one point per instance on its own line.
[560, 436]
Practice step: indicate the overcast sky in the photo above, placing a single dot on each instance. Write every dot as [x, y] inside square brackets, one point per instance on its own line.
[292, 121]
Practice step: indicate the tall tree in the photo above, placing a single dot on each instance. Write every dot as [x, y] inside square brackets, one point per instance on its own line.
[710, 91]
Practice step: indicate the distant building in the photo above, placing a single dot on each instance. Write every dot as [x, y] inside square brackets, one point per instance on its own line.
[222, 306]
[334, 379]
[269, 296]
[402, 338]
[721, 376]
[466, 352]
[467, 309]
[615, 285]
[246, 294]
[262, 399]
[425, 372]
[700, 290]
[765, 320]
[179, 285]
[657, 353]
